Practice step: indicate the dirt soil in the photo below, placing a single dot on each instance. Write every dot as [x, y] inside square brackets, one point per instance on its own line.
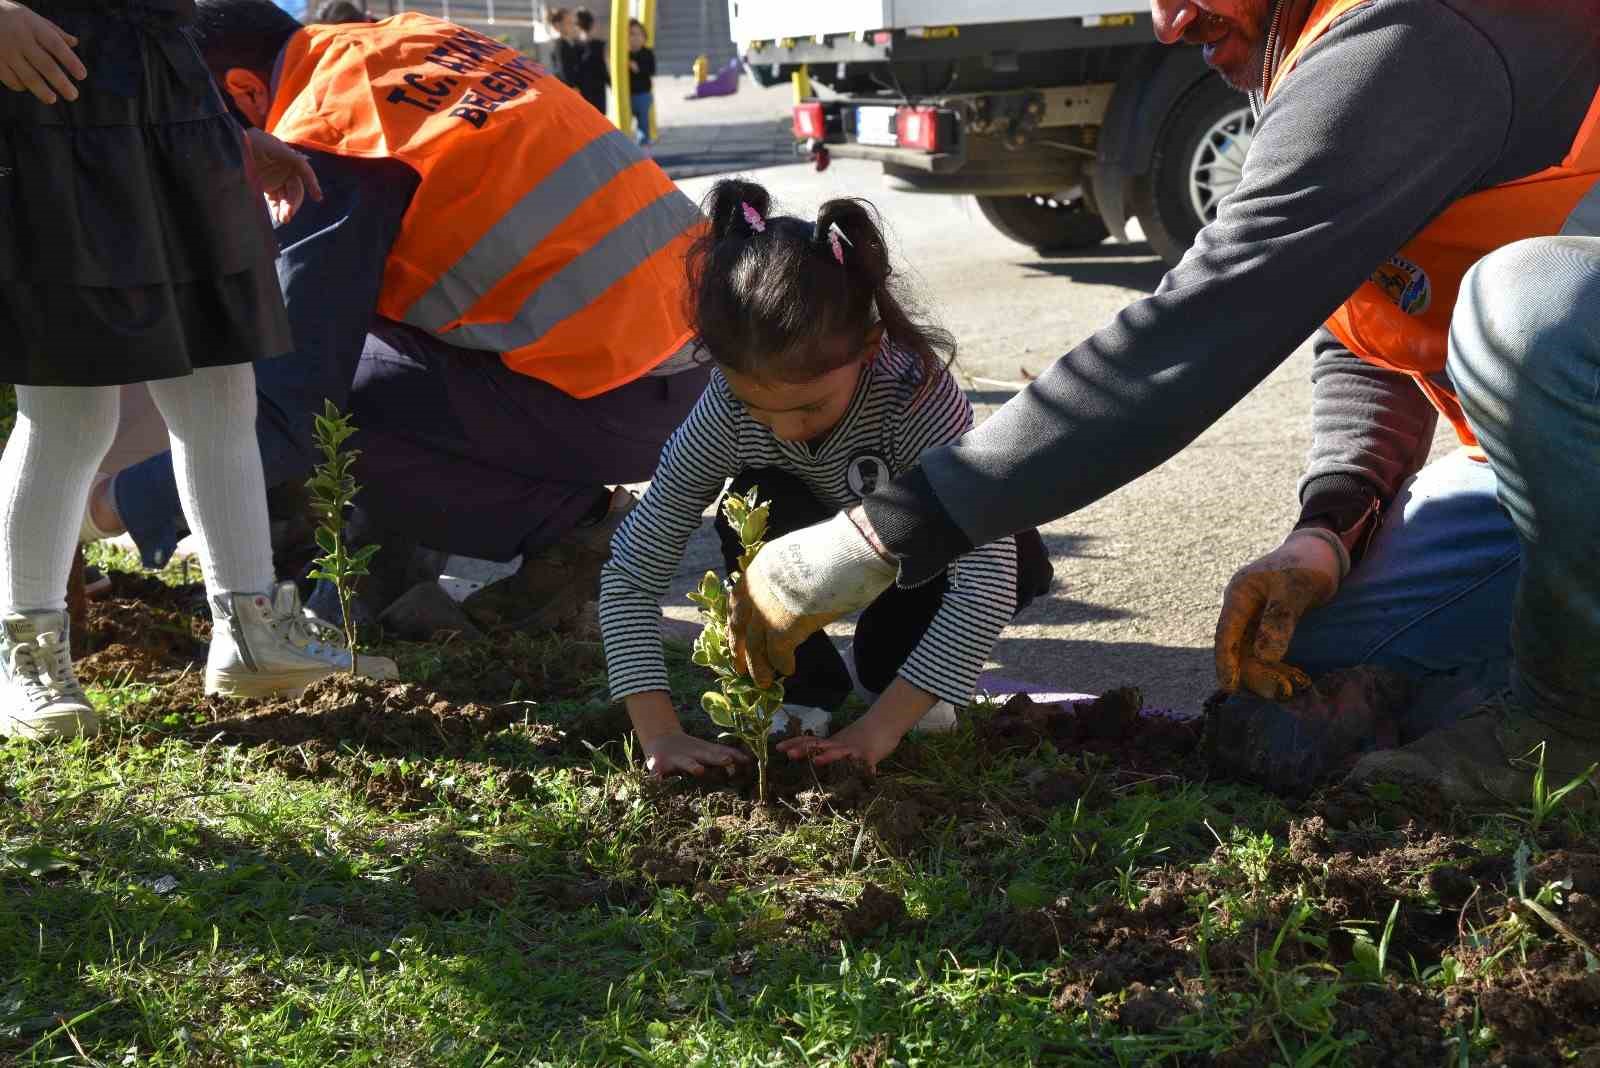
[1354, 857]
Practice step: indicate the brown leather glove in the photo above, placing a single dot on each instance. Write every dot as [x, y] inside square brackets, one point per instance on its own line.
[798, 584]
[1263, 605]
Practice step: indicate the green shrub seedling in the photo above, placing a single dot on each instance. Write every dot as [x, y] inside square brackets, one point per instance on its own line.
[332, 488]
[741, 708]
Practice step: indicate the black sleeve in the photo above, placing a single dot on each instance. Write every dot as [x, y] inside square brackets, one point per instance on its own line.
[331, 270]
[1337, 178]
[647, 62]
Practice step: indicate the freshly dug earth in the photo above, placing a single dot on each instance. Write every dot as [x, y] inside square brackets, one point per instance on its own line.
[1186, 935]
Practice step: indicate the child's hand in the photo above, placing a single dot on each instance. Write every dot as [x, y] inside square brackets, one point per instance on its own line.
[36, 55]
[285, 175]
[869, 739]
[678, 753]
[633, 66]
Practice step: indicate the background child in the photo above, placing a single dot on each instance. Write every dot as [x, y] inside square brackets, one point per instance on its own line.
[825, 386]
[134, 247]
[642, 65]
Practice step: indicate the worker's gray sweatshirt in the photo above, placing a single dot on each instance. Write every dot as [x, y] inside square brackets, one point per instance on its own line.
[1400, 109]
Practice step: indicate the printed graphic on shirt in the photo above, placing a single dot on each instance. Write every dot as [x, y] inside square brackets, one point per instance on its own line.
[866, 473]
[484, 75]
[1404, 283]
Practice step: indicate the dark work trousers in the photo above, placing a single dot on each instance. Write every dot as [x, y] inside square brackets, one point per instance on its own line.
[464, 455]
[890, 628]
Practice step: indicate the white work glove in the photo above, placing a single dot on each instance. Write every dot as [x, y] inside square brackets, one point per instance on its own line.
[797, 585]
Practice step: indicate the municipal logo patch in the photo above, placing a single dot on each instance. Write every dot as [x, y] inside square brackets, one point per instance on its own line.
[1404, 283]
[866, 474]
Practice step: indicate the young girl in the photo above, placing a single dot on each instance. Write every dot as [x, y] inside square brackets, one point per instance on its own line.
[825, 388]
[133, 248]
[641, 68]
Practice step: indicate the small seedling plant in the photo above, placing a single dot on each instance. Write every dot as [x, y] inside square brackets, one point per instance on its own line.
[333, 487]
[741, 708]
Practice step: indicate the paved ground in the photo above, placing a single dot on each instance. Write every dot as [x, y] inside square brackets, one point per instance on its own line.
[1139, 574]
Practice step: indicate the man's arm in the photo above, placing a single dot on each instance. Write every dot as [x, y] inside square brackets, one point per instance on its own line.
[1337, 178]
[330, 272]
[1371, 429]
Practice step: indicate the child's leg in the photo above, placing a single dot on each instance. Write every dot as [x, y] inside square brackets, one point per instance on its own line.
[821, 678]
[211, 418]
[261, 645]
[62, 433]
[892, 626]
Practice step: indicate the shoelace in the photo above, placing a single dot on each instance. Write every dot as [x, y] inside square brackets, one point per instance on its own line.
[44, 668]
[315, 637]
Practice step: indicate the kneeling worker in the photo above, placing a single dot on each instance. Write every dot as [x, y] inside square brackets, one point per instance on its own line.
[491, 284]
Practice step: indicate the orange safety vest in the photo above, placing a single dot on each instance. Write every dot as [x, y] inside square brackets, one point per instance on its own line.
[1400, 318]
[538, 231]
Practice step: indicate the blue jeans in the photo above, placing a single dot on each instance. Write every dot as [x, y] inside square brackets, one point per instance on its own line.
[1485, 575]
[641, 104]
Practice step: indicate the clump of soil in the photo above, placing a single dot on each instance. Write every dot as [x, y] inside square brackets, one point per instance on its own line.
[1111, 726]
[142, 630]
[876, 908]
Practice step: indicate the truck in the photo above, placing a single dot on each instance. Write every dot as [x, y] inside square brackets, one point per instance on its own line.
[1064, 119]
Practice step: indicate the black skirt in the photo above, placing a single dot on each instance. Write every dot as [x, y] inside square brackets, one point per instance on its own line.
[133, 244]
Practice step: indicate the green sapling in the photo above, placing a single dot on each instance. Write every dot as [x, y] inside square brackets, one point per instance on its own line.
[741, 708]
[332, 488]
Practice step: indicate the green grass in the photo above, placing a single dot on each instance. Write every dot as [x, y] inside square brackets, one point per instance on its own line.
[169, 897]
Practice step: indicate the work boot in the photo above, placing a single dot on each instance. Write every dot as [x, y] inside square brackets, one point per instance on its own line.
[552, 586]
[401, 564]
[266, 647]
[42, 698]
[1489, 758]
[1291, 746]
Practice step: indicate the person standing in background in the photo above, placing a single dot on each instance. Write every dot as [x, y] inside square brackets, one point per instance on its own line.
[594, 77]
[642, 66]
[565, 53]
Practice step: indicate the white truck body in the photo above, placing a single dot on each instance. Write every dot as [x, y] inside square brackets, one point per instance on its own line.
[757, 20]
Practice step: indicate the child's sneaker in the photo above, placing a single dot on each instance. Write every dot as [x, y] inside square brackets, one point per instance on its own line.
[42, 698]
[266, 647]
[940, 719]
[808, 720]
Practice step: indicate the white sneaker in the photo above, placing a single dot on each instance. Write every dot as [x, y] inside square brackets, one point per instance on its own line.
[940, 719]
[813, 721]
[263, 647]
[42, 698]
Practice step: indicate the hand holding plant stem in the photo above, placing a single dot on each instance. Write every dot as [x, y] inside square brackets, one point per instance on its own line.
[332, 487]
[741, 708]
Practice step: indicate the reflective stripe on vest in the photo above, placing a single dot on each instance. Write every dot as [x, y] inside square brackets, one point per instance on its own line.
[1400, 318]
[537, 230]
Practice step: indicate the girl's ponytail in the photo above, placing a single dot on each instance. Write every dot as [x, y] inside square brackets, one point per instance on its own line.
[866, 260]
[726, 206]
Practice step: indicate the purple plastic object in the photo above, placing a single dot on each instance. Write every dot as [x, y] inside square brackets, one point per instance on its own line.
[723, 83]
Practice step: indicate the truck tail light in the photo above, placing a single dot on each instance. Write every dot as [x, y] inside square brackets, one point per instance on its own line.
[809, 122]
[918, 128]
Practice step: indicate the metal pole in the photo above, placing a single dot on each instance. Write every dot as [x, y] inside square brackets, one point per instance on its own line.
[622, 102]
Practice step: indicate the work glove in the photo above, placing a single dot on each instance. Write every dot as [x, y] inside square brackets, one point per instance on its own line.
[798, 584]
[1263, 605]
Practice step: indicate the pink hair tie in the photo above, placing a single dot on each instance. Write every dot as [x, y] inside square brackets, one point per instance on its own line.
[753, 218]
[837, 241]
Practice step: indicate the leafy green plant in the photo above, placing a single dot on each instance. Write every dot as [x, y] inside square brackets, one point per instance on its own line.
[1370, 960]
[741, 708]
[333, 487]
[1546, 800]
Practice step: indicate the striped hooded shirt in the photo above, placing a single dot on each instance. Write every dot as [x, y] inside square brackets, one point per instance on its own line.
[886, 427]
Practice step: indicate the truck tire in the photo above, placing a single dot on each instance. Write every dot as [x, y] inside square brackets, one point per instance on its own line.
[1198, 160]
[1041, 222]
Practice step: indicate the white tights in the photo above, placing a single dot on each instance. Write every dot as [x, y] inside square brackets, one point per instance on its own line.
[62, 433]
